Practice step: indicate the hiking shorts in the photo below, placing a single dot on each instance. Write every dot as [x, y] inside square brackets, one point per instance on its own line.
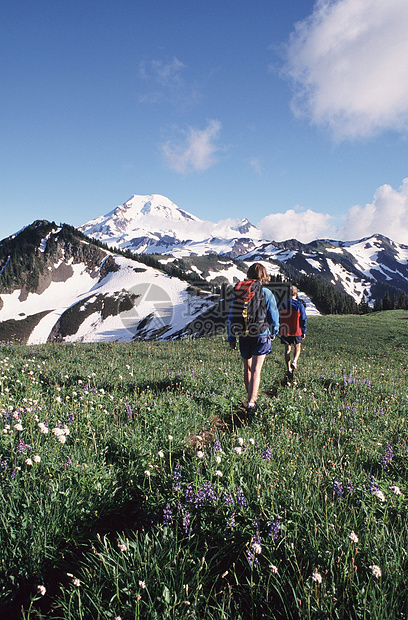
[254, 345]
[291, 339]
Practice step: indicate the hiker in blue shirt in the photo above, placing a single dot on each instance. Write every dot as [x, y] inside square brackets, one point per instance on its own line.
[254, 348]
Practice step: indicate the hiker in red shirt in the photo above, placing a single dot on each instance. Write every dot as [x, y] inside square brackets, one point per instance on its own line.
[292, 328]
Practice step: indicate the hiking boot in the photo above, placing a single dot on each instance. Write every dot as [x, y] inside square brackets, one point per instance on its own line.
[251, 411]
[293, 367]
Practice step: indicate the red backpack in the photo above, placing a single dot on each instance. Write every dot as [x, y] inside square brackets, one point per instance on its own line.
[248, 309]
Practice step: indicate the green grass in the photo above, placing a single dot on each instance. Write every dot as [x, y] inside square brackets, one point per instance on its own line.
[151, 496]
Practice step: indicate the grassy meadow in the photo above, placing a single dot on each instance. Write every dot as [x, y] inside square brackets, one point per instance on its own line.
[132, 486]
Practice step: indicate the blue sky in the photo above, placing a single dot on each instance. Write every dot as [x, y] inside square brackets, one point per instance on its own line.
[292, 114]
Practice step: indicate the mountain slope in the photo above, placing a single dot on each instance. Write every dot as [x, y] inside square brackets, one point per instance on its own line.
[81, 292]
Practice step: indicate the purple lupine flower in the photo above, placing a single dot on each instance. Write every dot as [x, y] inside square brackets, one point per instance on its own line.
[387, 458]
[373, 485]
[129, 412]
[231, 521]
[21, 446]
[167, 515]
[338, 488]
[189, 495]
[176, 477]
[209, 491]
[254, 550]
[274, 529]
[350, 488]
[255, 523]
[241, 501]
[70, 417]
[4, 464]
[67, 464]
[186, 522]
[216, 447]
[267, 453]
[228, 499]
[199, 498]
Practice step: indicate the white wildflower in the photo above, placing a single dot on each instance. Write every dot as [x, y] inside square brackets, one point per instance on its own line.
[37, 459]
[240, 441]
[160, 454]
[41, 590]
[200, 454]
[218, 473]
[218, 460]
[274, 569]
[28, 462]
[317, 577]
[380, 495]
[170, 437]
[142, 584]
[147, 473]
[62, 439]
[122, 547]
[396, 489]
[238, 449]
[18, 427]
[376, 570]
[353, 537]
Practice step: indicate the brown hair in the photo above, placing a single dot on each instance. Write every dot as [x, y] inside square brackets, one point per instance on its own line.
[258, 272]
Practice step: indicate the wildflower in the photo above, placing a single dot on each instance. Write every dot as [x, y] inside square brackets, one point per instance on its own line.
[218, 473]
[18, 427]
[170, 437]
[76, 582]
[142, 584]
[43, 428]
[129, 412]
[317, 577]
[267, 453]
[396, 489]
[218, 460]
[41, 590]
[62, 439]
[241, 501]
[138, 597]
[254, 550]
[376, 570]
[387, 458]
[240, 441]
[380, 495]
[186, 522]
[274, 529]
[28, 462]
[37, 458]
[252, 441]
[228, 499]
[353, 537]
[274, 569]
[350, 488]
[160, 454]
[338, 488]
[216, 447]
[147, 473]
[122, 547]
[231, 521]
[176, 477]
[373, 485]
[200, 454]
[238, 449]
[167, 515]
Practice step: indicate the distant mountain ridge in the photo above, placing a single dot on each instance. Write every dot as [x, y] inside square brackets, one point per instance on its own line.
[103, 282]
[363, 269]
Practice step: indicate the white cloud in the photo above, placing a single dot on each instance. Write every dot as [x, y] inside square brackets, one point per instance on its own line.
[165, 82]
[196, 151]
[387, 215]
[305, 226]
[255, 164]
[349, 64]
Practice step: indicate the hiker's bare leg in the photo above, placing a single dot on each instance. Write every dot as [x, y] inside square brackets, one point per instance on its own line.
[296, 353]
[287, 355]
[255, 377]
[247, 373]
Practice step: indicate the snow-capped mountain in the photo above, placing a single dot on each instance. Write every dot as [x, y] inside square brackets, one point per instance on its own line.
[153, 224]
